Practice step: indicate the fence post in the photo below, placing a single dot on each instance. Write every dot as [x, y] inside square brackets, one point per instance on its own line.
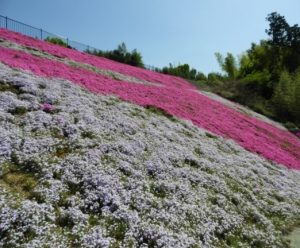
[41, 34]
[6, 22]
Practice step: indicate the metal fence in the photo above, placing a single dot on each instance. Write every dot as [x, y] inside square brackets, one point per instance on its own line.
[41, 34]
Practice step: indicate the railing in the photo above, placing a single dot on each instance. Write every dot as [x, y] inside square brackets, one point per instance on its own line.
[41, 34]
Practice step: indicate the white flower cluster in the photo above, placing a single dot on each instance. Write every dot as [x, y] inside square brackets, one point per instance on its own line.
[93, 171]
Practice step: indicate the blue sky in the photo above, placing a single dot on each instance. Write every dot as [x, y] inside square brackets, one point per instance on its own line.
[164, 31]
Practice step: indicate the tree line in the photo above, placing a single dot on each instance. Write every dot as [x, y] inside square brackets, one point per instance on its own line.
[122, 55]
[267, 76]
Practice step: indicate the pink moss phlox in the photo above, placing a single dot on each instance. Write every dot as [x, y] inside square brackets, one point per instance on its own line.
[100, 62]
[253, 134]
[47, 107]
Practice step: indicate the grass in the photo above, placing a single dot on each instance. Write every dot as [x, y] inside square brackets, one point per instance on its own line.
[108, 159]
[188, 134]
[88, 134]
[191, 162]
[198, 152]
[63, 151]
[157, 111]
[159, 192]
[118, 229]
[21, 183]
[136, 113]
[21, 179]
[112, 101]
[293, 238]
[57, 133]
[19, 110]
[30, 166]
[211, 136]
[94, 220]
[4, 86]
[65, 221]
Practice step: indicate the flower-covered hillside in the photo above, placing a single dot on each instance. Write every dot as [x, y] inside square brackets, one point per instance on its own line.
[95, 61]
[79, 169]
[172, 95]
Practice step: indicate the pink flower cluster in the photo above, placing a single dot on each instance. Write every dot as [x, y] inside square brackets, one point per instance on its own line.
[47, 107]
[176, 98]
[95, 61]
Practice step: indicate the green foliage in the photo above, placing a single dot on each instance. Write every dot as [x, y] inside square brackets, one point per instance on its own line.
[18, 182]
[117, 228]
[65, 221]
[259, 81]
[228, 65]
[283, 93]
[281, 33]
[267, 77]
[24, 181]
[286, 39]
[57, 41]
[278, 28]
[160, 112]
[122, 55]
[257, 58]
[183, 71]
[6, 86]
[214, 77]
[200, 76]
[286, 97]
[19, 110]
[88, 134]
[296, 102]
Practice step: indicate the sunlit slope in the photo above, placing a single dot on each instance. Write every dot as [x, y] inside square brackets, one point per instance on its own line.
[173, 95]
[94, 153]
[86, 170]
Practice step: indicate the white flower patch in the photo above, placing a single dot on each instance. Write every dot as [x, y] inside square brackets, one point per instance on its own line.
[85, 170]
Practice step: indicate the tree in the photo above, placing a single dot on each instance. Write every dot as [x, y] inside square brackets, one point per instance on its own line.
[284, 95]
[214, 77]
[231, 66]
[122, 49]
[296, 99]
[136, 59]
[183, 71]
[285, 40]
[57, 41]
[193, 74]
[121, 54]
[278, 29]
[220, 60]
[200, 76]
[228, 65]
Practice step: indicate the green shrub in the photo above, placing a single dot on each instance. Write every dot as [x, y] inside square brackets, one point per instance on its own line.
[57, 41]
[286, 97]
[122, 55]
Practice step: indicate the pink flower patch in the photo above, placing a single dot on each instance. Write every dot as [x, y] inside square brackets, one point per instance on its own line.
[48, 108]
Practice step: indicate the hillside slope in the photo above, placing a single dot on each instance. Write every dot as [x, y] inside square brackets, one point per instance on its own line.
[83, 169]
[173, 95]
